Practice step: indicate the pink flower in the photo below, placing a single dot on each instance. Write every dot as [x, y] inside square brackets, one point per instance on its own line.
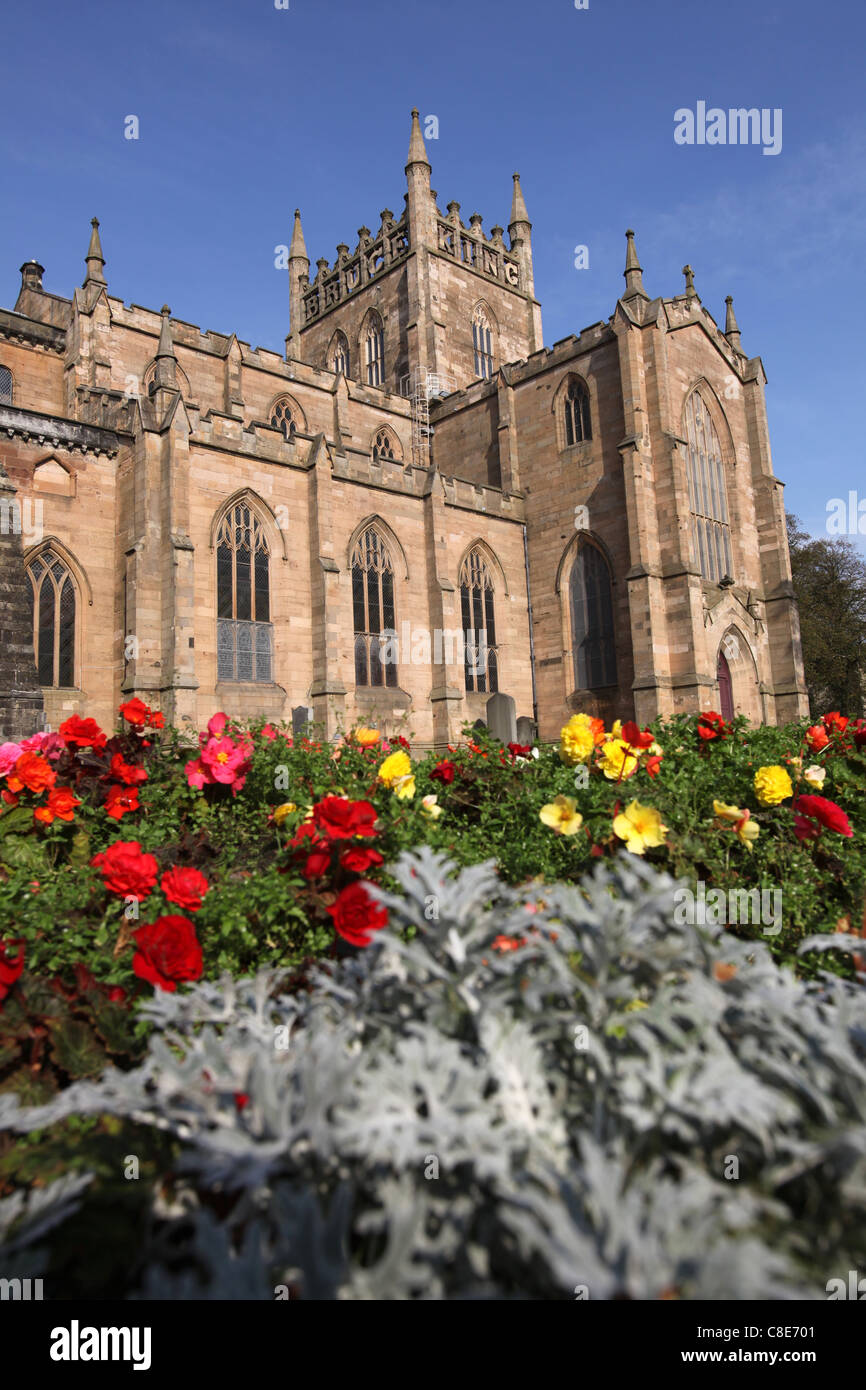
[216, 725]
[9, 755]
[269, 733]
[196, 775]
[221, 762]
[225, 760]
[49, 745]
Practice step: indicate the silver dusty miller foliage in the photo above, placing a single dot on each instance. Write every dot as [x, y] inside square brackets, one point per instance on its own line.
[601, 1112]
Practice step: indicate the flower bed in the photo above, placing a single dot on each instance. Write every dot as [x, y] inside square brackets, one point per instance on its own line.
[139, 878]
[150, 868]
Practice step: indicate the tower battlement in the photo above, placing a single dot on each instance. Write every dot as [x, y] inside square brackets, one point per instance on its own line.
[423, 293]
[373, 255]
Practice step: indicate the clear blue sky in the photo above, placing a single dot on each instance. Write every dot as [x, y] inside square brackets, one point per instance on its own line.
[247, 111]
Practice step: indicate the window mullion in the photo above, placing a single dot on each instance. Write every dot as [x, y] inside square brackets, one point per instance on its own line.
[56, 660]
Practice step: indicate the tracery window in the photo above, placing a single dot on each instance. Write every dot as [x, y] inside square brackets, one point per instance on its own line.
[244, 632]
[374, 351]
[592, 633]
[711, 532]
[578, 425]
[383, 445]
[481, 661]
[340, 354]
[283, 416]
[482, 343]
[53, 613]
[372, 609]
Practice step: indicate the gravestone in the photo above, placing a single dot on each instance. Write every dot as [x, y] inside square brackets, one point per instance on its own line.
[527, 730]
[302, 718]
[480, 724]
[501, 719]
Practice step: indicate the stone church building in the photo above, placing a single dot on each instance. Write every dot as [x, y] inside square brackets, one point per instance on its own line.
[211, 526]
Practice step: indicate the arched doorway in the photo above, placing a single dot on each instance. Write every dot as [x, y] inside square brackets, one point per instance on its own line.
[726, 687]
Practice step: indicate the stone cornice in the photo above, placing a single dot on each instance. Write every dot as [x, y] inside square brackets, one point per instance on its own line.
[16, 328]
[56, 432]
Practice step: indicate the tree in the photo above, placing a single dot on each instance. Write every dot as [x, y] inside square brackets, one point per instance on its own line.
[830, 585]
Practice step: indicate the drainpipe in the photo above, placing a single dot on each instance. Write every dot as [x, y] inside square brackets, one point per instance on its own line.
[531, 634]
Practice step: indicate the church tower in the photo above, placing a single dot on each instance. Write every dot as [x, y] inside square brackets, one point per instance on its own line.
[424, 292]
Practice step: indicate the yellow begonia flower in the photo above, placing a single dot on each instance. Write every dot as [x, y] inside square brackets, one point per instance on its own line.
[283, 811]
[365, 737]
[404, 787]
[430, 807]
[746, 829]
[815, 776]
[772, 785]
[618, 761]
[577, 740]
[562, 816]
[395, 766]
[641, 827]
[616, 729]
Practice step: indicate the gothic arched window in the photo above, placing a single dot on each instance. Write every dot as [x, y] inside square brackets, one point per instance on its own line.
[5, 386]
[592, 620]
[711, 532]
[243, 598]
[482, 342]
[481, 663]
[372, 609]
[340, 354]
[374, 351]
[284, 416]
[578, 425]
[384, 445]
[52, 595]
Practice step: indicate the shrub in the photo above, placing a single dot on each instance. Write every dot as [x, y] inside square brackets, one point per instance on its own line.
[512, 1093]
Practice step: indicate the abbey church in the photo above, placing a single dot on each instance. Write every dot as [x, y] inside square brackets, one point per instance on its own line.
[212, 526]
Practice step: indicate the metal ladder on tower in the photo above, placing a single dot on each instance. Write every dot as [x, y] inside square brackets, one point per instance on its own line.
[420, 397]
[421, 386]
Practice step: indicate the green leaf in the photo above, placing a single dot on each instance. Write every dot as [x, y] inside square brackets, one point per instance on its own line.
[113, 1026]
[31, 1087]
[80, 854]
[75, 1048]
[16, 821]
[23, 852]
